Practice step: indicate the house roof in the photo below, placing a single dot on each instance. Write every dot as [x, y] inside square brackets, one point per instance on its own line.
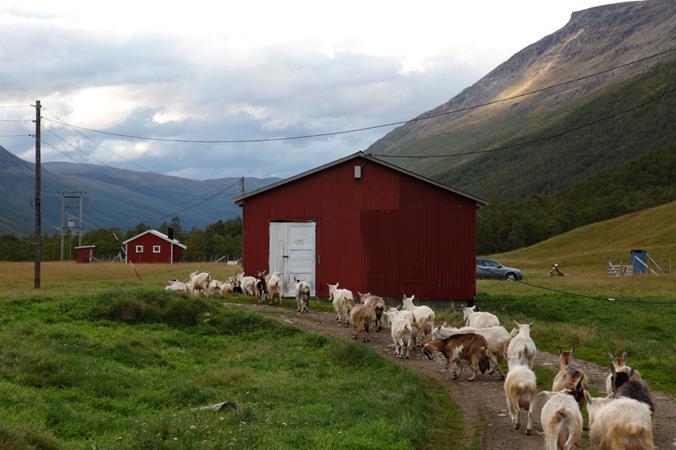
[367, 156]
[159, 235]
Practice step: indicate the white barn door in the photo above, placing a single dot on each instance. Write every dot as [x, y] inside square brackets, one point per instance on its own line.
[292, 253]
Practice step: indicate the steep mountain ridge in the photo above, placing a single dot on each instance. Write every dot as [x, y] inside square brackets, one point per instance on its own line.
[593, 40]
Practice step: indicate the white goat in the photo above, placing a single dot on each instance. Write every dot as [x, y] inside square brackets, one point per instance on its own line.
[248, 284]
[302, 295]
[228, 287]
[214, 286]
[275, 288]
[342, 300]
[497, 339]
[401, 330]
[520, 391]
[561, 420]
[622, 423]
[175, 285]
[424, 318]
[521, 350]
[198, 282]
[479, 319]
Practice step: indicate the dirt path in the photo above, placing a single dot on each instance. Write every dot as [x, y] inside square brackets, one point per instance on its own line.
[482, 401]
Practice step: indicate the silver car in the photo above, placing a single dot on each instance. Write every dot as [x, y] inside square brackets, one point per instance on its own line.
[491, 270]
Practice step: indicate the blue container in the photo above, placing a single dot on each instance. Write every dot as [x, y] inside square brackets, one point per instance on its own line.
[638, 256]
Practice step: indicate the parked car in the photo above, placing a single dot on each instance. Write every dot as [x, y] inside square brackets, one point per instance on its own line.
[492, 270]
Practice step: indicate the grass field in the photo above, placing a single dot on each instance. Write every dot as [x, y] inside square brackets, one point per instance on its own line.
[95, 361]
[597, 326]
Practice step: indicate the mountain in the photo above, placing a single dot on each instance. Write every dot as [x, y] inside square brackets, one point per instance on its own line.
[592, 41]
[115, 197]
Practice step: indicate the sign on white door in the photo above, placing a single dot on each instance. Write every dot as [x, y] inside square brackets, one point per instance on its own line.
[292, 253]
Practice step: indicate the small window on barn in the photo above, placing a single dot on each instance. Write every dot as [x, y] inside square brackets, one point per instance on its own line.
[139, 249]
[156, 248]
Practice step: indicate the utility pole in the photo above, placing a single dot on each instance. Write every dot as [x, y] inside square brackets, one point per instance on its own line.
[68, 197]
[79, 234]
[62, 204]
[38, 195]
[241, 184]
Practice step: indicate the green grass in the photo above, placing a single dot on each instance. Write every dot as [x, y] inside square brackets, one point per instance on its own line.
[595, 327]
[125, 368]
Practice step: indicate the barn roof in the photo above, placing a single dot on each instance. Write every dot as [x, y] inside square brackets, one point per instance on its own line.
[159, 235]
[367, 156]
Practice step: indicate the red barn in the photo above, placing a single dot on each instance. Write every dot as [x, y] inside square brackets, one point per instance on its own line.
[372, 226]
[151, 246]
[84, 253]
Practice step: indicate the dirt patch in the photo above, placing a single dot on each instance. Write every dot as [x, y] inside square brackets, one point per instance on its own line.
[483, 400]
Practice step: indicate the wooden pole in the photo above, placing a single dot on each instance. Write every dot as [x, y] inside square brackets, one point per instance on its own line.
[38, 195]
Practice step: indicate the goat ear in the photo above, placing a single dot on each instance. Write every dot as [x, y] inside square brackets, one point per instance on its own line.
[530, 325]
[611, 356]
[631, 372]
[572, 350]
[624, 355]
[517, 324]
[587, 396]
[560, 351]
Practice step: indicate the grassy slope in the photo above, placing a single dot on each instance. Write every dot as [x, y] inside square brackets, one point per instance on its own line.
[121, 366]
[589, 247]
[597, 326]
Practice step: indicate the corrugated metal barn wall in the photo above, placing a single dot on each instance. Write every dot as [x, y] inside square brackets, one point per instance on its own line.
[387, 233]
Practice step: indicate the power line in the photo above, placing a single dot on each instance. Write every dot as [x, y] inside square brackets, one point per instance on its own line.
[201, 202]
[63, 153]
[372, 127]
[98, 144]
[15, 120]
[16, 135]
[16, 106]
[533, 141]
[595, 297]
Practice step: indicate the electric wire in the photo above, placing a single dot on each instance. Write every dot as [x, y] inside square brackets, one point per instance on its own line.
[596, 297]
[201, 202]
[372, 127]
[98, 144]
[536, 140]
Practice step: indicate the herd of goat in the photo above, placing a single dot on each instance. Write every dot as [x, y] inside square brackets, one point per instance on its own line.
[621, 420]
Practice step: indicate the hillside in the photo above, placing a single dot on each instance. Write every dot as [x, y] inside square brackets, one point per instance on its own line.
[115, 197]
[652, 229]
[593, 40]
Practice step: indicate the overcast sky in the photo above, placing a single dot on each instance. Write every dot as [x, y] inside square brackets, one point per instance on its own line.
[242, 70]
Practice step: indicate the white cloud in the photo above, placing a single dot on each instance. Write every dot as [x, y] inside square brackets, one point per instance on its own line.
[239, 70]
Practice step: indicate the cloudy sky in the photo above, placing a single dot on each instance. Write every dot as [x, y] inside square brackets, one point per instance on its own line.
[244, 70]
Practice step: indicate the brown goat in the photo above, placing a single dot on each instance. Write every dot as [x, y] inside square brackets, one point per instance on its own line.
[363, 318]
[628, 383]
[571, 378]
[379, 307]
[461, 348]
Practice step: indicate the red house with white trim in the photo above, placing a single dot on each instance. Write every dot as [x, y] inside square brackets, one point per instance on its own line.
[368, 224]
[151, 246]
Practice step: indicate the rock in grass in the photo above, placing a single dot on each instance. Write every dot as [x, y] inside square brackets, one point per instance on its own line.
[224, 406]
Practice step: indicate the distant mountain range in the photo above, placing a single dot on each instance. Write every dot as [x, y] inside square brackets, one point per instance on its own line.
[115, 197]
